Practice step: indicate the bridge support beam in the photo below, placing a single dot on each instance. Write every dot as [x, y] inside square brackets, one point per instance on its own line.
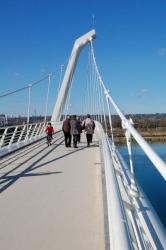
[78, 45]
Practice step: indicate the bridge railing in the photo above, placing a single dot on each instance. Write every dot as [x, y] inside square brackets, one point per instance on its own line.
[16, 136]
[131, 217]
[117, 222]
[147, 229]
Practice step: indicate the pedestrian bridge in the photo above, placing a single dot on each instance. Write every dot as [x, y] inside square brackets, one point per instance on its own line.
[74, 198]
[51, 197]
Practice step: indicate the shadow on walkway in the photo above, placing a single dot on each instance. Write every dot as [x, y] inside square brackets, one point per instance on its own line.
[7, 180]
[19, 155]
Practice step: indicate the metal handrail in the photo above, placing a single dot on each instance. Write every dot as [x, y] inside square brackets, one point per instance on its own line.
[149, 221]
[151, 154]
[21, 125]
[20, 136]
[118, 226]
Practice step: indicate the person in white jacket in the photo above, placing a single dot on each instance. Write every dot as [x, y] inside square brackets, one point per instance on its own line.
[88, 125]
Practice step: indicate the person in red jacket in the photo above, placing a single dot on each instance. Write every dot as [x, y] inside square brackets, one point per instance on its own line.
[49, 131]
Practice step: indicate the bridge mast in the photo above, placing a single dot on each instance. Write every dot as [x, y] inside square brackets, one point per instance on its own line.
[78, 45]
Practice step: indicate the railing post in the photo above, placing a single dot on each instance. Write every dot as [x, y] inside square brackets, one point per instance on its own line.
[14, 133]
[133, 188]
[37, 132]
[22, 132]
[34, 129]
[42, 129]
[3, 137]
[28, 131]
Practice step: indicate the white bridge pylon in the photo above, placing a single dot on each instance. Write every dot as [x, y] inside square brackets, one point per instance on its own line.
[61, 99]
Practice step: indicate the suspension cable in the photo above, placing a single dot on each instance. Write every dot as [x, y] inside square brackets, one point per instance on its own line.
[60, 77]
[29, 102]
[37, 81]
[48, 92]
[89, 81]
[87, 91]
[26, 87]
[96, 88]
[110, 120]
[93, 87]
[102, 101]
[101, 95]
[156, 160]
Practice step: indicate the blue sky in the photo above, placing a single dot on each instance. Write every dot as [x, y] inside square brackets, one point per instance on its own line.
[36, 37]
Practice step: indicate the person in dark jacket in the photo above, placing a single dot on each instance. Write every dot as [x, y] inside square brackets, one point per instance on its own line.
[79, 129]
[66, 130]
[74, 130]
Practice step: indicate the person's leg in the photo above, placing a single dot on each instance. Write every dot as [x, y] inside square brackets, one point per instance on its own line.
[90, 138]
[47, 140]
[78, 137]
[88, 141]
[66, 137]
[51, 138]
[75, 141]
[69, 139]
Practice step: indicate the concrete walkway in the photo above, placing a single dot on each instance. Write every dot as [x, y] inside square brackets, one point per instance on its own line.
[51, 198]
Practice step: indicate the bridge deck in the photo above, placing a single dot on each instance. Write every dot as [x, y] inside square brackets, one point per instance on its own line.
[51, 198]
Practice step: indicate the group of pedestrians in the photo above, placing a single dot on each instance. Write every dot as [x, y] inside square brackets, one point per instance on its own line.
[72, 127]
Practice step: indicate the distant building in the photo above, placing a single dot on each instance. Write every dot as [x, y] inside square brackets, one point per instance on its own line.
[3, 120]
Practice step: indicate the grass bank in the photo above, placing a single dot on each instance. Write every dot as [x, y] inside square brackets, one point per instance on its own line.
[150, 135]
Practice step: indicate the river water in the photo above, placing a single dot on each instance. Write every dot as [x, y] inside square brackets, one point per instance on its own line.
[148, 177]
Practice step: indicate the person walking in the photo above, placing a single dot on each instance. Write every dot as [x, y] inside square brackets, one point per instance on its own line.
[66, 130]
[49, 131]
[79, 129]
[88, 125]
[74, 130]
